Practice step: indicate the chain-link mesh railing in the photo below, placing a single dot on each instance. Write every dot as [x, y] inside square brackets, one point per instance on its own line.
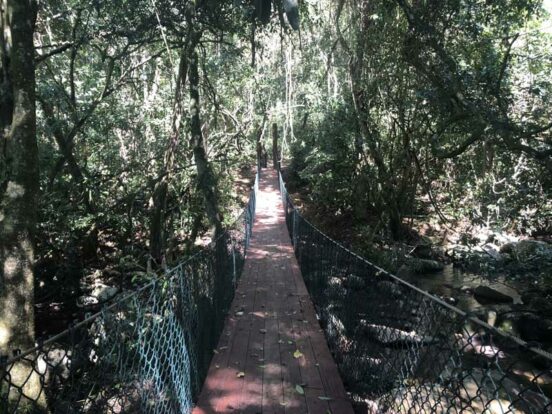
[400, 349]
[148, 352]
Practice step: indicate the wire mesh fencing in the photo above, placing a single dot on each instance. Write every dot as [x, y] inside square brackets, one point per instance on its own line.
[402, 350]
[148, 352]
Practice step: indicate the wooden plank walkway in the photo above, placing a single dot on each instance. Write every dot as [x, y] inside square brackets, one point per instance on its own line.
[272, 356]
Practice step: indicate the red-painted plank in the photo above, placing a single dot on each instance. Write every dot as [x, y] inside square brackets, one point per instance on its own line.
[261, 342]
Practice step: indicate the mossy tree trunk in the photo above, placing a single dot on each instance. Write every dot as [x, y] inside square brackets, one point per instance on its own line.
[19, 186]
[206, 179]
[160, 192]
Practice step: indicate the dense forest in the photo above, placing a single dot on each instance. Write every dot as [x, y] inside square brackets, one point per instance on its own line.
[416, 132]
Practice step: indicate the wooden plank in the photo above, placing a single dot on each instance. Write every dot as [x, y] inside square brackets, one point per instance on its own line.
[275, 302]
[315, 404]
[291, 372]
[272, 374]
[252, 392]
[222, 387]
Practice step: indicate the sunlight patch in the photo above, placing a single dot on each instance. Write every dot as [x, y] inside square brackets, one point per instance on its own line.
[14, 190]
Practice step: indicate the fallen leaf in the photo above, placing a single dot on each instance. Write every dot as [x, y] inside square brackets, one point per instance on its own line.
[263, 331]
[297, 354]
[240, 374]
[299, 390]
[324, 398]
[239, 313]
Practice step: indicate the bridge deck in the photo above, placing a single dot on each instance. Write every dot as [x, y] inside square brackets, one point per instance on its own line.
[272, 356]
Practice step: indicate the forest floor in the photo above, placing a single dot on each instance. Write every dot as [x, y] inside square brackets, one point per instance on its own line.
[504, 278]
[70, 286]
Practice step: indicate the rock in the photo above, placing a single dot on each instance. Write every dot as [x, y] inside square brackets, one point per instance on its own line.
[491, 317]
[486, 295]
[538, 302]
[335, 292]
[87, 301]
[404, 271]
[60, 360]
[534, 328]
[490, 389]
[388, 336]
[491, 250]
[372, 407]
[354, 282]
[457, 252]
[359, 367]
[422, 251]
[335, 281]
[526, 250]
[334, 326]
[507, 248]
[425, 266]
[429, 398]
[471, 391]
[390, 288]
[104, 292]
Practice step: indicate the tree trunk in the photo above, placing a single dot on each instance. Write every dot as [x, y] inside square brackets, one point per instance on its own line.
[160, 192]
[19, 186]
[275, 146]
[206, 180]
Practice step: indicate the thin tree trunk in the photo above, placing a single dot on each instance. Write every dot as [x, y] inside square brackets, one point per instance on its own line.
[206, 180]
[369, 135]
[275, 156]
[19, 186]
[160, 193]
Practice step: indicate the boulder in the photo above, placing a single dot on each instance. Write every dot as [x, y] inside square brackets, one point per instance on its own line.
[354, 282]
[534, 328]
[492, 391]
[390, 288]
[538, 301]
[335, 292]
[527, 250]
[404, 271]
[486, 295]
[87, 301]
[425, 266]
[334, 326]
[492, 251]
[335, 281]
[359, 367]
[104, 292]
[422, 251]
[388, 336]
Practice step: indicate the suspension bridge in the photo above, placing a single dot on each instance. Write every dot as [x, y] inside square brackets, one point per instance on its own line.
[276, 317]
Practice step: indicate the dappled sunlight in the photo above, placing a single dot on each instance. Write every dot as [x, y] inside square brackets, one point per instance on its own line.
[272, 356]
